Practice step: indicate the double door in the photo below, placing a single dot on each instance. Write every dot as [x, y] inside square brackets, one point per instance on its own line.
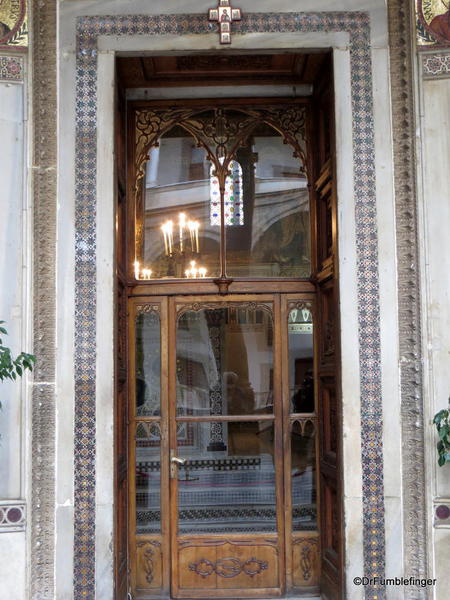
[223, 448]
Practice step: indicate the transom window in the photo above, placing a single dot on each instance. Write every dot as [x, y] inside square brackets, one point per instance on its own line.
[222, 193]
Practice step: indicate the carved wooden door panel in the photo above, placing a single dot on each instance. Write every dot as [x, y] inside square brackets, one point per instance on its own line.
[226, 448]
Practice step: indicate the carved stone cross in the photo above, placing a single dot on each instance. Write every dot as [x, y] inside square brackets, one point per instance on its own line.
[225, 15]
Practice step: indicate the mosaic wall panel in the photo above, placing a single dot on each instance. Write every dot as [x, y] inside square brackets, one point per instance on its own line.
[11, 68]
[441, 509]
[435, 65]
[88, 30]
[12, 516]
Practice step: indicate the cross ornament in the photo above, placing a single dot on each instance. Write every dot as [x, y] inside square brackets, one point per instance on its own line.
[225, 15]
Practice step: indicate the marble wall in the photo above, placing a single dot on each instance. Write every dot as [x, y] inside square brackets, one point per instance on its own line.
[14, 289]
[434, 193]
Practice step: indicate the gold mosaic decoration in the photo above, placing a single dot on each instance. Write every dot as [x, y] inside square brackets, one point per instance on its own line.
[433, 22]
[13, 24]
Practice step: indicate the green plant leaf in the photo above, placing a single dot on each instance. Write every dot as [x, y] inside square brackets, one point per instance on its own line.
[441, 461]
[444, 431]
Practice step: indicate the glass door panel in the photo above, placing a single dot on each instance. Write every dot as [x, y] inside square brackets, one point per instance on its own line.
[224, 361]
[301, 468]
[231, 491]
[177, 226]
[268, 191]
[148, 364]
[148, 478]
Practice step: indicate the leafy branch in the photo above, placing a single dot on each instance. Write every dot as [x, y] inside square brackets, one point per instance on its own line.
[11, 367]
[441, 420]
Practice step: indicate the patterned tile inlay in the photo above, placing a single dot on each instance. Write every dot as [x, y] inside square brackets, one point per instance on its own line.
[357, 25]
[12, 516]
[441, 508]
[11, 68]
[436, 65]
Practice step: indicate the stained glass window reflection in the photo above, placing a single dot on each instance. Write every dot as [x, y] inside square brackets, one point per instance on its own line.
[233, 200]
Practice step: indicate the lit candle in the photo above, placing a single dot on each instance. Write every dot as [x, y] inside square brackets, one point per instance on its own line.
[146, 273]
[202, 272]
[170, 235]
[196, 234]
[191, 225]
[136, 269]
[164, 230]
[182, 224]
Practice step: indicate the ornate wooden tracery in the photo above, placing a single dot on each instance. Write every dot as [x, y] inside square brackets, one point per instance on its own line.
[220, 132]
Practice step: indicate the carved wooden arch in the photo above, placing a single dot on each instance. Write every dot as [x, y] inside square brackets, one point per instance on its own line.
[219, 135]
[198, 306]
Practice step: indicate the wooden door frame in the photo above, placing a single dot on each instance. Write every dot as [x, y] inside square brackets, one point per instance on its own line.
[142, 291]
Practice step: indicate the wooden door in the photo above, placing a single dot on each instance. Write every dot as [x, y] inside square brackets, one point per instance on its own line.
[226, 448]
[223, 443]
[324, 200]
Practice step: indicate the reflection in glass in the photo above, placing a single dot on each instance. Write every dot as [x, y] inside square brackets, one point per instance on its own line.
[273, 237]
[301, 359]
[233, 203]
[303, 455]
[225, 361]
[148, 364]
[177, 191]
[232, 490]
[148, 475]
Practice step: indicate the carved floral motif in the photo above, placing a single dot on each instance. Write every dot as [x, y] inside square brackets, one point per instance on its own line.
[148, 558]
[308, 555]
[228, 567]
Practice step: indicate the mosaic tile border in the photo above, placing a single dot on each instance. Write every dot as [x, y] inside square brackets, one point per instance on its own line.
[357, 25]
[11, 68]
[12, 516]
[435, 65]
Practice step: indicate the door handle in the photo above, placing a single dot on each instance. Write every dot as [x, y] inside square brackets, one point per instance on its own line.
[175, 461]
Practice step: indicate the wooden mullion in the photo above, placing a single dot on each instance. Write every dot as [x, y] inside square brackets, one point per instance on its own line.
[279, 447]
[224, 418]
[173, 483]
